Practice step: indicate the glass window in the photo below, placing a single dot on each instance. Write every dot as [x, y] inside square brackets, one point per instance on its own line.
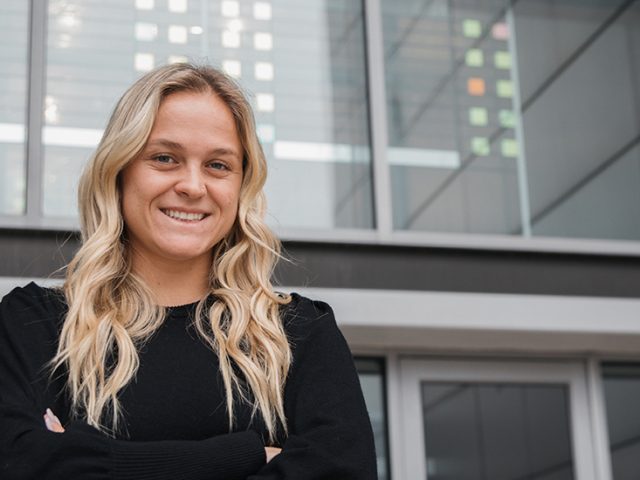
[501, 431]
[516, 118]
[93, 53]
[320, 155]
[622, 397]
[453, 148]
[372, 380]
[579, 67]
[302, 65]
[14, 23]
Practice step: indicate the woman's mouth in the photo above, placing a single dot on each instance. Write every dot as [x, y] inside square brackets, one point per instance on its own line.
[184, 216]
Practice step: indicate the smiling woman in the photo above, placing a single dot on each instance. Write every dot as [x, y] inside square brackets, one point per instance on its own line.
[167, 353]
[180, 195]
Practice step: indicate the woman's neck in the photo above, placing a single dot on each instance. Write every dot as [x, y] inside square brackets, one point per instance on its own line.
[173, 283]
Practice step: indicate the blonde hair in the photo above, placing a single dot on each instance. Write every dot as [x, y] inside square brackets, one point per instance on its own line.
[110, 309]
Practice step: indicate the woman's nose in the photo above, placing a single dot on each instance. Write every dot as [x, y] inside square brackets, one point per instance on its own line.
[191, 183]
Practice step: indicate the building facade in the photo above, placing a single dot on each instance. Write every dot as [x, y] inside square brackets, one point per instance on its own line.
[459, 179]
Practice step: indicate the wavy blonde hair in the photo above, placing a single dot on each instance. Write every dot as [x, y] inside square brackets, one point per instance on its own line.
[110, 309]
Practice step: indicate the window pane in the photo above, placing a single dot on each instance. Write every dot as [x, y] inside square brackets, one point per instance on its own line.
[516, 118]
[453, 151]
[497, 431]
[622, 396]
[320, 158]
[14, 17]
[303, 66]
[91, 49]
[579, 65]
[372, 380]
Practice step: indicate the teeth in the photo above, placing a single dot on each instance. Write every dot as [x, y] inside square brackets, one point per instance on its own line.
[183, 215]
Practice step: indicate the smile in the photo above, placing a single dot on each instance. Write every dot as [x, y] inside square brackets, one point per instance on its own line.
[184, 216]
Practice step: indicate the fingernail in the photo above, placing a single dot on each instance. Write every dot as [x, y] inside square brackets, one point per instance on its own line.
[53, 416]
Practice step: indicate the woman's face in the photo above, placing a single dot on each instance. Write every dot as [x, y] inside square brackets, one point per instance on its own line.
[180, 195]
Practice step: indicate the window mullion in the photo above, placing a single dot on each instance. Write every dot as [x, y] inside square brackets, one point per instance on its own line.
[35, 102]
[378, 119]
[602, 454]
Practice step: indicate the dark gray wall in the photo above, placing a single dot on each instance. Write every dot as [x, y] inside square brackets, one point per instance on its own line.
[40, 253]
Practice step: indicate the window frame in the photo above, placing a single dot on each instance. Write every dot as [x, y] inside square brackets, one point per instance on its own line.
[587, 461]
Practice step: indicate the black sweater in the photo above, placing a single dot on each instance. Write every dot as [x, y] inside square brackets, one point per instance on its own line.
[175, 412]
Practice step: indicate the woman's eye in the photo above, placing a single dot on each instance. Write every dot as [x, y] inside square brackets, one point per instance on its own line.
[218, 166]
[163, 158]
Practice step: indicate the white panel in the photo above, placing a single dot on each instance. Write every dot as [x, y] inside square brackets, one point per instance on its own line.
[452, 321]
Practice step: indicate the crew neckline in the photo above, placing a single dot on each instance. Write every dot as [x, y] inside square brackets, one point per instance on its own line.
[181, 310]
[187, 309]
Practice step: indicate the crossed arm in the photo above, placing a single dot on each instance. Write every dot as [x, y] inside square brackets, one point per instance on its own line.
[53, 424]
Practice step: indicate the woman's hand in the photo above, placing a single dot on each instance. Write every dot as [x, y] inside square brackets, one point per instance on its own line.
[52, 422]
[271, 452]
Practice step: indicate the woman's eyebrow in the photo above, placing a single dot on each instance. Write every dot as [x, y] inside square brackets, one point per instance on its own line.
[162, 142]
[218, 152]
[222, 152]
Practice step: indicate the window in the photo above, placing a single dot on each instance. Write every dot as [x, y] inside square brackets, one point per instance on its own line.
[514, 118]
[14, 15]
[454, 165]
[309, 95]
[622, 397]
[372, 379]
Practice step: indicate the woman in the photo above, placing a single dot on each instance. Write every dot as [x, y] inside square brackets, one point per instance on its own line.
[167, 353]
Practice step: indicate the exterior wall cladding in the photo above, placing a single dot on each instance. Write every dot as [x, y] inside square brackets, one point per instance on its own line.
[34, 253]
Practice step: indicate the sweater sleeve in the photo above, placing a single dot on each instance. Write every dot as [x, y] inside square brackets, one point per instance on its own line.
[330, 435]
[28, 450]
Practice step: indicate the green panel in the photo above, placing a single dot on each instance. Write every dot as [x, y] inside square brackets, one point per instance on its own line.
[502, 60]
[507, 118]
[478, 116]
[474, 57]
[471, 28]
[504, 88]
[509, 148]
[480, 146]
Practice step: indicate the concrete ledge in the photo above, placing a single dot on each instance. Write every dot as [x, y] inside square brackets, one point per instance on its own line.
[493, 323]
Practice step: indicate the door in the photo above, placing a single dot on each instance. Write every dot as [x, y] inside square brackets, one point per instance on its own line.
[495, 420]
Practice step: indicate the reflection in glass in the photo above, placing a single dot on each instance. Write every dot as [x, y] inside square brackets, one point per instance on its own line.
[302, 64]
[622, 396]
[319, 158]
[579, 64]
[449, 83]
[516, 118]
[496, 431]
[14, 16]
[372, 380]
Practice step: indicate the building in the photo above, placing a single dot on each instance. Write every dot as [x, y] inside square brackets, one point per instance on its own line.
[460, 179]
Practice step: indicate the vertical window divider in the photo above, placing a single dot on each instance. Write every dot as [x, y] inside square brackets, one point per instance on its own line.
[35, 102]
[523, 182]
[394, 392]
[378, 119]
[598, 414]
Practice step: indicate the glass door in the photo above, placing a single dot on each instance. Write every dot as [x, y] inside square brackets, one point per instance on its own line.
[486, 420]
[621, 384]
